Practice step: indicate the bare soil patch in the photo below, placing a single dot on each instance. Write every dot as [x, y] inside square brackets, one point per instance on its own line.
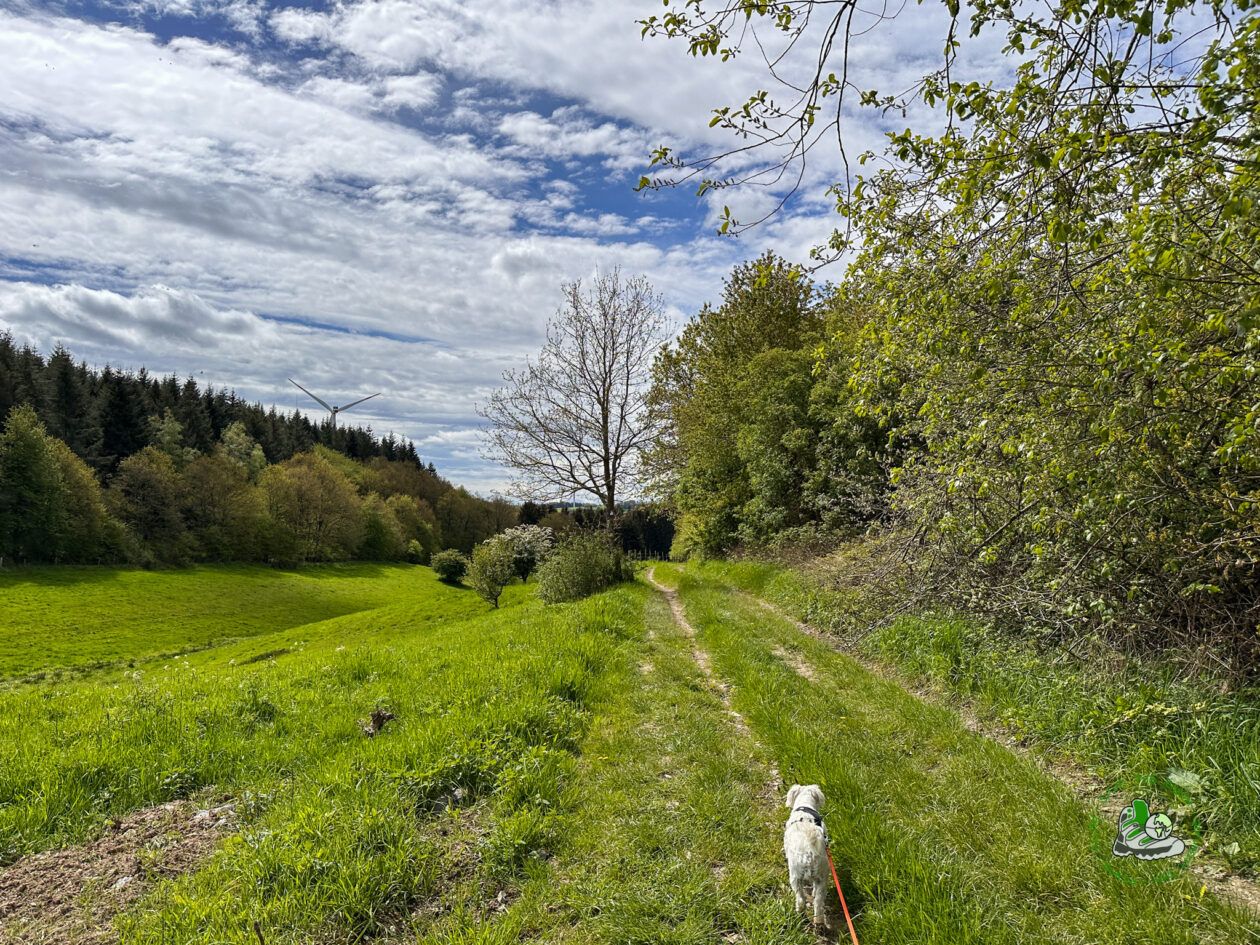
[72, 895]
[795, 661]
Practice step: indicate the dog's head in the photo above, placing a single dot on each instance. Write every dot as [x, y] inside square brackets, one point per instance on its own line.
[806, 795]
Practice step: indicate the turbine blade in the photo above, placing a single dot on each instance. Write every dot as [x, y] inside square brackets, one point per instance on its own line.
[324, 403]
[360, 400]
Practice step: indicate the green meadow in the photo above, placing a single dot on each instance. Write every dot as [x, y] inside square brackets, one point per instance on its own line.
[552, 773]
[60, 618]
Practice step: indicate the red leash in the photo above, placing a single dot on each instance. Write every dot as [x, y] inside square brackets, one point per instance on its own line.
[843, 905]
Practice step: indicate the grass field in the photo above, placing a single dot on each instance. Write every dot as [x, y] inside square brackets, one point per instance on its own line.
[560, 774]
[54, 618]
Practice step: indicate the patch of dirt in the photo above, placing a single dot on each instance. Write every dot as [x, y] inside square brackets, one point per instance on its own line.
[798, 663]
[71, 895]
[1089, 788]
[260, 657]
[379, 718]
[646, 668]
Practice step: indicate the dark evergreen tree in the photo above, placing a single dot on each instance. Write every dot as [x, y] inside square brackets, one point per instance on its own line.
[217, 407]
[69, 417]
[167, 394]
[29, 382]
[532, 513]
[122, 419]
[192, 416]
[8, 375]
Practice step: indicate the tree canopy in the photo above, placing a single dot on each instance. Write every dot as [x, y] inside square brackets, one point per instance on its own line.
[1044, 373]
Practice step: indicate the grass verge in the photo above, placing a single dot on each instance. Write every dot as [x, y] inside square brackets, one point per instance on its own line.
[1130, 722]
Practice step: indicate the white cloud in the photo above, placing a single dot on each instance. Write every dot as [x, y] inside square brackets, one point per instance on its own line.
[295, 25]
[566, 134]
[416, 91]
[391, 179]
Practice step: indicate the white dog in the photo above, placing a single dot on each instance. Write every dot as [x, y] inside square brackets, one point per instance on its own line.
[805, 845]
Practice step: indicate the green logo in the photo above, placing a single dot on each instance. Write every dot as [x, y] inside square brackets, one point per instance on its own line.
[1138, 845]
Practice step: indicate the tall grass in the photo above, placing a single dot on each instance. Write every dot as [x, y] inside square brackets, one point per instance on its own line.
[472, 777]
[942, 836]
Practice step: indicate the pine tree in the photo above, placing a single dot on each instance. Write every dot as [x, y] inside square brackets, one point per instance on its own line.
[8, 375]
[192, 416]
[28, 378]
[122, 419]
[166, 393]
[69, 408]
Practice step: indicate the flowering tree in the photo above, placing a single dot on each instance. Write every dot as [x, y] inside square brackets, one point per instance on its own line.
[530, 546]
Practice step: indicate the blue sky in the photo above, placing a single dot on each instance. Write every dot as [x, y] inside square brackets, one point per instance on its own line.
[372, 195]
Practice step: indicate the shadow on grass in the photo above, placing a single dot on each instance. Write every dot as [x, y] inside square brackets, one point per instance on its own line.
[454, 584]
[64, 575]
[853, 898]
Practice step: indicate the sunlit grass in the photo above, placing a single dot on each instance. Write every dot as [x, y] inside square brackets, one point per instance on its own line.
[562, 774]
[56, 618]
[944, 836]
[1128, 720]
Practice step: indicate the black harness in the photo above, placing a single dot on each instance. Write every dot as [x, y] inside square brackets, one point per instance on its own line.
[818, 821]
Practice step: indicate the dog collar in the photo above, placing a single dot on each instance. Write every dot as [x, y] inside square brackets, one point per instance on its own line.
[812, 813]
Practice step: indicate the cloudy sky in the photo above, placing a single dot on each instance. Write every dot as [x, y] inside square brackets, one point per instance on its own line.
[368, 195]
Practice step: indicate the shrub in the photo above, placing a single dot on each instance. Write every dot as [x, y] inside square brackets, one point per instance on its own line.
[530, 546]
[492, 569]
[580, 566]
[450, 565]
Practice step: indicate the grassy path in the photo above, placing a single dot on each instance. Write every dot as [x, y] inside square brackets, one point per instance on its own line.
[675, 834]
[944, 836]
[773, 779]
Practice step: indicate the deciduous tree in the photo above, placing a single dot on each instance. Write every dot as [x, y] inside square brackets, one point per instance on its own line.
[32, 509]
[575, 420]
[316, 507]
[492, 568]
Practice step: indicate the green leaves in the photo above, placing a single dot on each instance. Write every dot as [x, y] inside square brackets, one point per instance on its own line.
[1063, 310]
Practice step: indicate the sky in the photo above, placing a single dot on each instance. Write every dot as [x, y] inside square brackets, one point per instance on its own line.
[372, 195]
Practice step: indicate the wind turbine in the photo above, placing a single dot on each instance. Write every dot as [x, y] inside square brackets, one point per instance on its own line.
[329, 407]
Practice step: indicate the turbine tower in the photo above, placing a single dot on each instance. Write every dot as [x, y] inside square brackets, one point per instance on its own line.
[329, 407]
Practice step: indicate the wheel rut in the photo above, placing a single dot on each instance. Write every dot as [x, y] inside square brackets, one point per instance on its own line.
[1238, 890]
[774, 781]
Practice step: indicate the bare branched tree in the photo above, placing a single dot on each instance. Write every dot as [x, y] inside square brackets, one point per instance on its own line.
[576, 420]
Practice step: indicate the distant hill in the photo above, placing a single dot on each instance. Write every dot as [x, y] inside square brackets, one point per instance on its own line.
[103, 416]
